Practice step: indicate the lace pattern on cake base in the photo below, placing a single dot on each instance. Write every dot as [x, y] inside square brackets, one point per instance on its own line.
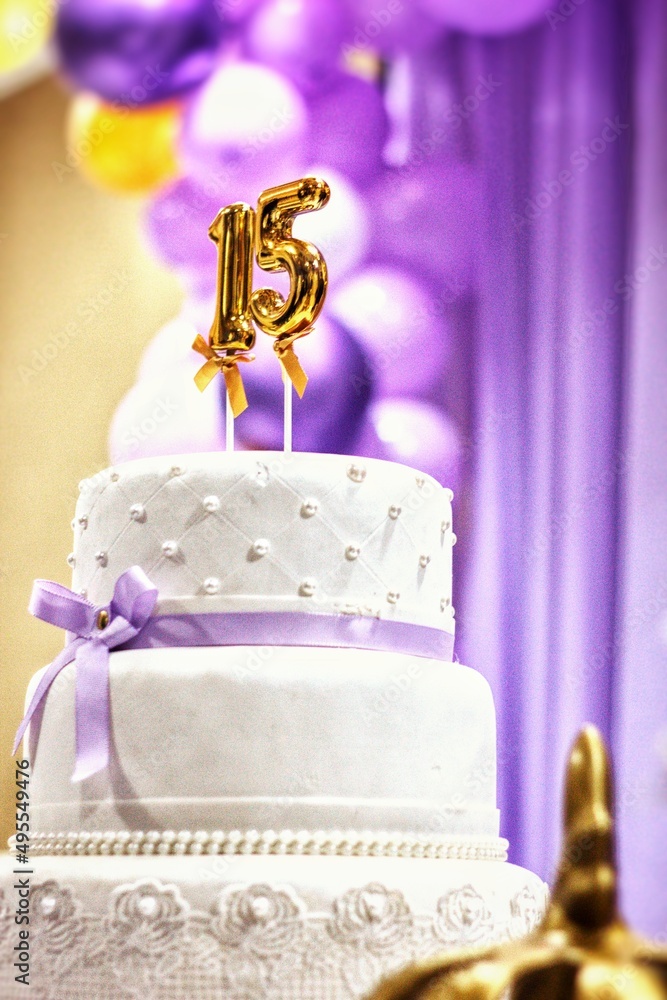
[257, 942]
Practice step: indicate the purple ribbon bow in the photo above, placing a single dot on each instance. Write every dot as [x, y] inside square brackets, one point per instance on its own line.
[93, 632]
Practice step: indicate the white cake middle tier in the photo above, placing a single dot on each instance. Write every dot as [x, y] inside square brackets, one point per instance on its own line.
[276, 738]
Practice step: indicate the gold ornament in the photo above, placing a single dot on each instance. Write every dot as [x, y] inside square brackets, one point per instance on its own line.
[583, 950]
[277, 250]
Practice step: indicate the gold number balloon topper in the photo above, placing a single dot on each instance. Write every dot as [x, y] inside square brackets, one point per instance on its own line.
[240, 233]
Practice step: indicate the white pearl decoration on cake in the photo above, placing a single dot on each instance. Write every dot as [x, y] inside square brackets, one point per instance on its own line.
[357, 473]
[445, 526]
[138, 512]
[48, 905]
[212, 585]
[348, 843]
[147, 906]
[211, 504]
[101, 558]
[71, 560]
[83, 521]
[309, 507]
[424, 561]
[176, 470]
[114, 477]
[170, 549]
[453, 538]
[394, 511]
[261, 547]
[444, 603]
[308, 587]
[393, 597]
[352, 552]
[449, 494]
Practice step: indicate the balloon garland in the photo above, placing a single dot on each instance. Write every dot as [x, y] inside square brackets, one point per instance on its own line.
[205, 103]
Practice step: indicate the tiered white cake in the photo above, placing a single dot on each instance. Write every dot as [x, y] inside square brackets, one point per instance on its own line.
[276, 820]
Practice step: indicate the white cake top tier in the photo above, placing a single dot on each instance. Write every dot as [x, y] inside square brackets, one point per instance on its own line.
[265, 531]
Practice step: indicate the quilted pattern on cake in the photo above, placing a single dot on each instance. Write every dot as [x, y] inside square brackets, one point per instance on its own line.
[264, 531]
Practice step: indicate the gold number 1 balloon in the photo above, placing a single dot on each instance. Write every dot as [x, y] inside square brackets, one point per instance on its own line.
[232, 332]
[277, 250]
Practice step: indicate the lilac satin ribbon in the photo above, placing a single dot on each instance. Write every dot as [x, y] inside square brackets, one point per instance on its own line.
[131, 606]
[293, 628]
[131, 625]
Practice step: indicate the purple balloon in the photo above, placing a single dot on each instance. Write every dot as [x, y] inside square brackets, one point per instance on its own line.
[426, 216]
[390, 27]
[236, 11]
[138, 51]
[176, 226]
[330, 415]
[403, 325]
[416, 434]
[349, 128]
[486, 17]
[301, 38]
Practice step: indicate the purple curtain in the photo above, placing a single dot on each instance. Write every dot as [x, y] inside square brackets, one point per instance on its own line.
[640, 715]
[564, 504]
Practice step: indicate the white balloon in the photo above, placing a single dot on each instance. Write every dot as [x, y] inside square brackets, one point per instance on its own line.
[402, 324]
[340, 229]
[167, 415]
[416, 434]
[244, 122]
[170, 348]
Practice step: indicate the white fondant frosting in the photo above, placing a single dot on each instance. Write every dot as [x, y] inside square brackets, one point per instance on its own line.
[276, 737]
[277, 531]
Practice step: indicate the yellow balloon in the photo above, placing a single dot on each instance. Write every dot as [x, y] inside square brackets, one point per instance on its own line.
[123, 149]
[25, 27]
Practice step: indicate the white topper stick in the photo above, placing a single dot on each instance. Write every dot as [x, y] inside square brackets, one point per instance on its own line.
[287, 435]
[229, 424]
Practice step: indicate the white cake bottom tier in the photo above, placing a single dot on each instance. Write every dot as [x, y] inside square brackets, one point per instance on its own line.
[275, 738]
[284, 928]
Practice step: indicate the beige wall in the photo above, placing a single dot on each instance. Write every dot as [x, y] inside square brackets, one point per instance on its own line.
[65, 250]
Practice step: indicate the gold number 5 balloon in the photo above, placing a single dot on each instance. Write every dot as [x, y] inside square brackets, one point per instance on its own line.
[237, 230]
[277, 250]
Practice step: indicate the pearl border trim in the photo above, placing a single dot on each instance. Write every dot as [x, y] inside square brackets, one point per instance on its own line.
[319, 843]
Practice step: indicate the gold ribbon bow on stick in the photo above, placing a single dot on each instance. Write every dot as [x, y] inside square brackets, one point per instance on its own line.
[227, 366]
[290, 363]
